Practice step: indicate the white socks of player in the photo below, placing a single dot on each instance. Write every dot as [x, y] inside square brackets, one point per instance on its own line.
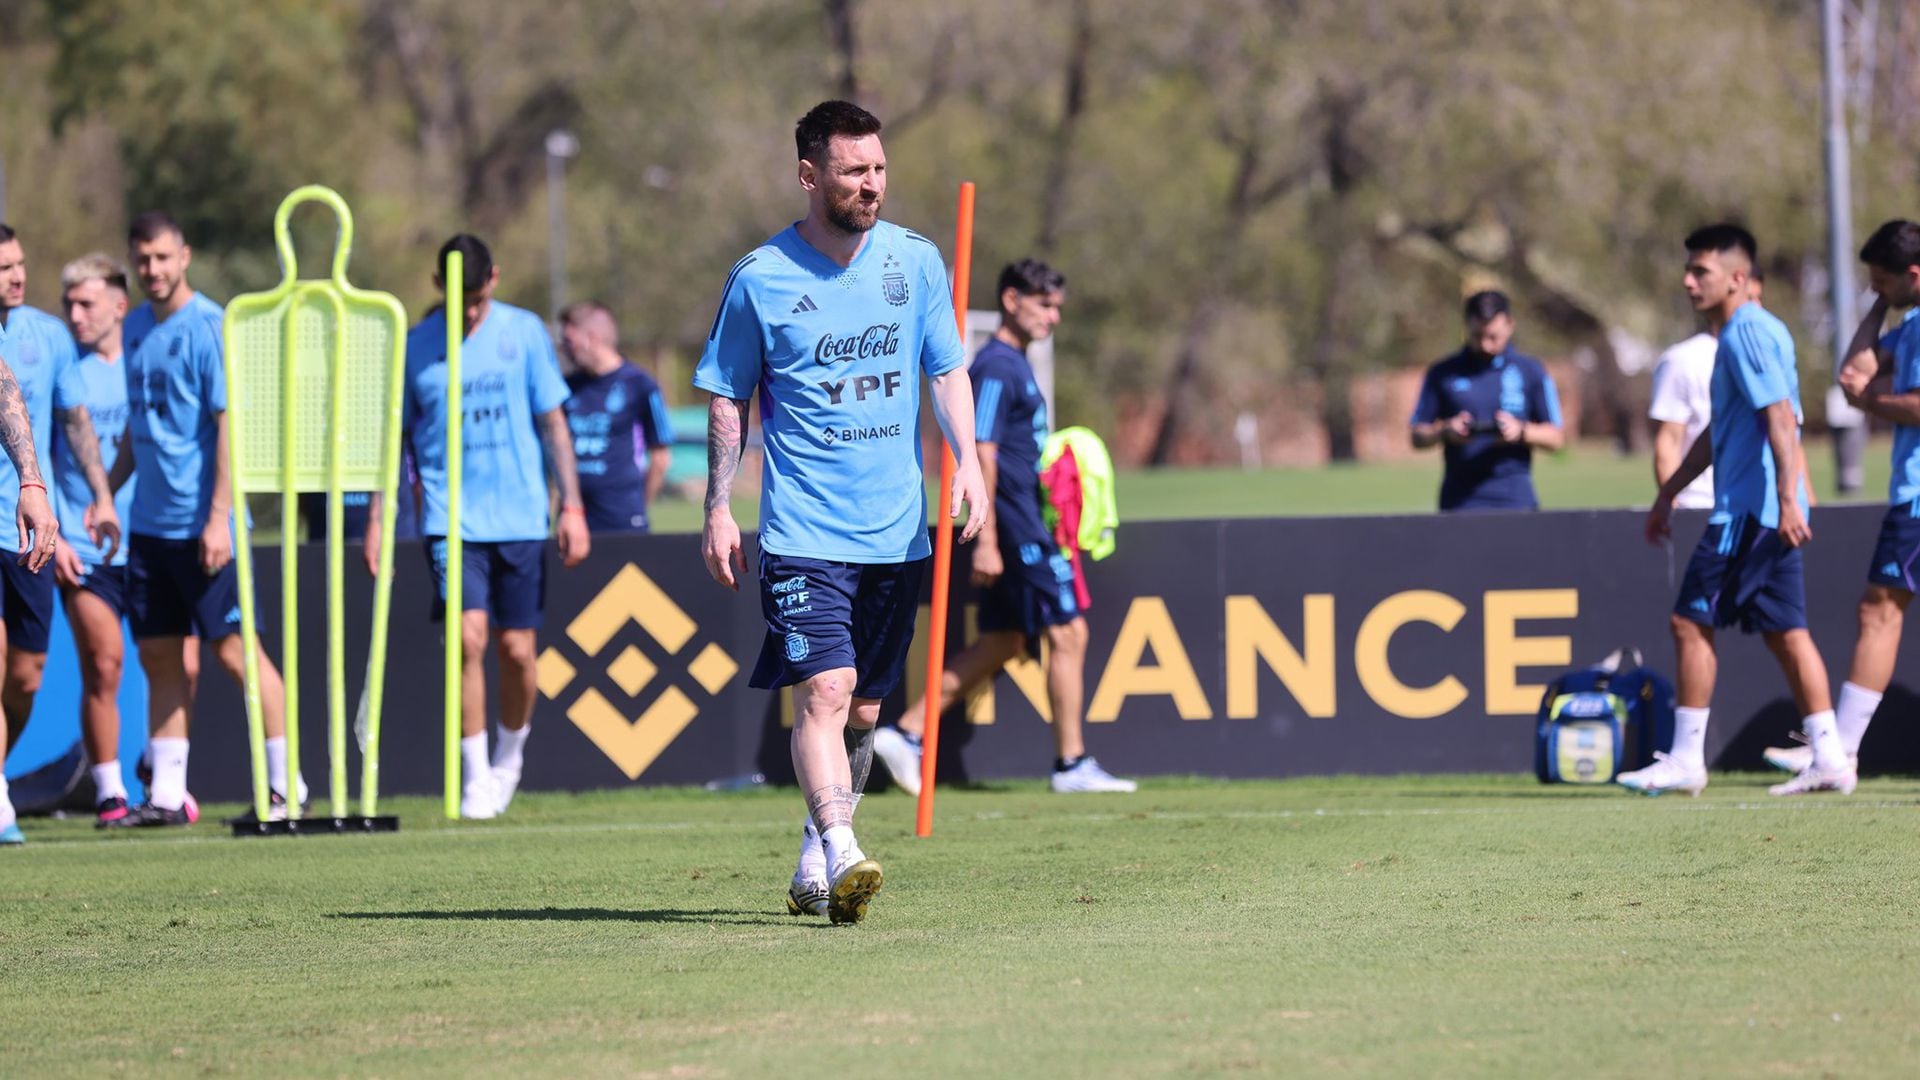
[473, 755]
[1853, 713]
[841, 847]
[6, 803]
[508, 747]
[813, 855]
[277, 769]
[1823, 734]
[1690, 737]
[169, 758]
[107, 783]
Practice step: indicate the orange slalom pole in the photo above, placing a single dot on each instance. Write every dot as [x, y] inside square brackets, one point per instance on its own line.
[943, 541]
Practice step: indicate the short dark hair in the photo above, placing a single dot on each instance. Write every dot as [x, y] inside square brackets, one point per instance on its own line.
[152, 225]
[1893, 247]
[1722, 238]
[1757, 274]
[7, 233]
[1030, 277]
[580, 309]
[476, 260]
[828, 119]
[1486, 305]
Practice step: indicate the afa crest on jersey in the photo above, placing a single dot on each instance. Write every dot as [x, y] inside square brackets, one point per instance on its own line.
[894, 287]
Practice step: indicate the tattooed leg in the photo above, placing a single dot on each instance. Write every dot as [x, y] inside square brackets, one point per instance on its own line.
[859, 742]
[820, 707]
[831, 807]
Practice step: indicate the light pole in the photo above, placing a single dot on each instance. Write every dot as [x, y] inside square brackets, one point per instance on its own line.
[561, 145]
[1848, 425]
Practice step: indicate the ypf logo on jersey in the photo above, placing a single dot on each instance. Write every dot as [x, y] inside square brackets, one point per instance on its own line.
[632, 597]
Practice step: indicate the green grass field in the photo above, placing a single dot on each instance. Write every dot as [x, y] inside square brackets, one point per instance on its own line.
[1583, 477]
[1440, 926]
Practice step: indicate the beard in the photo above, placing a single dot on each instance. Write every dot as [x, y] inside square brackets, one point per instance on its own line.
[852, 215]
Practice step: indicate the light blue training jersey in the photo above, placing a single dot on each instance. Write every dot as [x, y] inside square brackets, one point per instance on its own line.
[509, 376]
[176, 391]
[39, 349]
[100, 387]
[1903, 342]
[1753, 368]
[837, 354]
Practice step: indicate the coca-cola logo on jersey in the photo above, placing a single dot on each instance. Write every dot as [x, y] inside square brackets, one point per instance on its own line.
[881, 339]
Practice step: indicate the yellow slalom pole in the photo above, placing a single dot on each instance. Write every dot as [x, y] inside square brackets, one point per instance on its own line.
[243, 570]
[289, 549]
[336, 562]
[455, 571]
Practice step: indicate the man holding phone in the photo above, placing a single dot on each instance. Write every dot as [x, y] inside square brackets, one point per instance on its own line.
[1489, 406]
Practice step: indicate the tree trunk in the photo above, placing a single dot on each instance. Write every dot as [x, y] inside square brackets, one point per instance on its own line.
[1053, 199]
[846, 47]
[1193, 344]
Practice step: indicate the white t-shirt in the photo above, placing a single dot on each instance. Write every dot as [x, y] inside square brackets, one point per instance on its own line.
[1683, 394]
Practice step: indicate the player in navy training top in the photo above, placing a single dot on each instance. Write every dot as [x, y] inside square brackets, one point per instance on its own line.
[513, 440]
[834, 321]
[181, 581]
[1747, 569]
[1881, 377]
[1490, 406]
[1025, 580]
[34, 347]
[621, 436]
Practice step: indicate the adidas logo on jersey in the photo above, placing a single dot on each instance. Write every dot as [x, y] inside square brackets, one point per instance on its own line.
[1891, 570]
[806, 304]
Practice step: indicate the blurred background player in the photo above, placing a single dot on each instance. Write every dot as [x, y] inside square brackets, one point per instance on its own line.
[1747, 569]
[1489, 406]
[622, 439]
[181, 582]
[512, 397]
[92, 576]
[40, 351]
[1882, 378]
[834, 320]
[1026, 583]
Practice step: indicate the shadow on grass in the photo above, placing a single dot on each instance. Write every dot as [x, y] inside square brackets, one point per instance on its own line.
[655, 915]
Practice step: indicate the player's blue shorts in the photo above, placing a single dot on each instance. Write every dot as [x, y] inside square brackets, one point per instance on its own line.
[1035, 592]
[824, 615]
[1897, 550]
[109, 583]
[168, 595]
[26, 601]
[615, 510]
[506, 579]
[1742, 574]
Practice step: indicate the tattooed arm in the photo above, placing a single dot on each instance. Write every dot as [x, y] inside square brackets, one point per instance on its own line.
[726, 445]
[572, 532]
[39, 532]
[101, 519]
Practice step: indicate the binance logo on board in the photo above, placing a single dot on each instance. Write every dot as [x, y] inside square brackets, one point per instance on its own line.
[630, 741]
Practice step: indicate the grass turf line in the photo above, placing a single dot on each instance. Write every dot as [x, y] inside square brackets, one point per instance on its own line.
[1357, 926]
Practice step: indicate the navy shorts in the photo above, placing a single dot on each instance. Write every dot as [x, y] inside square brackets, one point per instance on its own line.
[1035, 592]
[615, 511]
[109, 583]
[1898, 548]
[26, 600]
[824, 615]
[507, 579]
[168, 595]
[1742, 574]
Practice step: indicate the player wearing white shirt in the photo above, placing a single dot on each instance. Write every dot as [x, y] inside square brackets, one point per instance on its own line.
[1682, 406]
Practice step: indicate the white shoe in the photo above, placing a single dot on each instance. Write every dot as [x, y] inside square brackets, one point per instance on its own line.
[480, 798]
[1813, 778]
[1087, 775]
[853, 884]
[901, 756]
[506, 781]
[1666, 773]
[1798, 759]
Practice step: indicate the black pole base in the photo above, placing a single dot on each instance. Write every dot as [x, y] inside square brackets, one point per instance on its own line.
[318, 826]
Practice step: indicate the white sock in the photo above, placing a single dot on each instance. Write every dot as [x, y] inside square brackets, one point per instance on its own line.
[107, 783]
[277, 768]
[473, 752]
[169, 790]
[1854, 712]
[6, 803]
[508, 746]
[839, 843]
[813, 854]
[1823, 733]
[1690, 737]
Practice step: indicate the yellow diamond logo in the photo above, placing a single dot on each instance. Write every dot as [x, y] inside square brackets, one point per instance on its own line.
[633, 743]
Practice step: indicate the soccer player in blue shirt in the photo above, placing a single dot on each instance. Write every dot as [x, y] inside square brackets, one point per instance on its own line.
[181, 582]
[40, 344]
[1489, 406]
[1747, 569]
[834, 321]
[93, 576]
[1027, 589]
[511, 394]
[622, 438]
[1881, 377]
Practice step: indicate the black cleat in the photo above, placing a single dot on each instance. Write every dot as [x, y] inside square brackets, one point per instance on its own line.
[276, 811]
[110, 812]
[150, 816]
